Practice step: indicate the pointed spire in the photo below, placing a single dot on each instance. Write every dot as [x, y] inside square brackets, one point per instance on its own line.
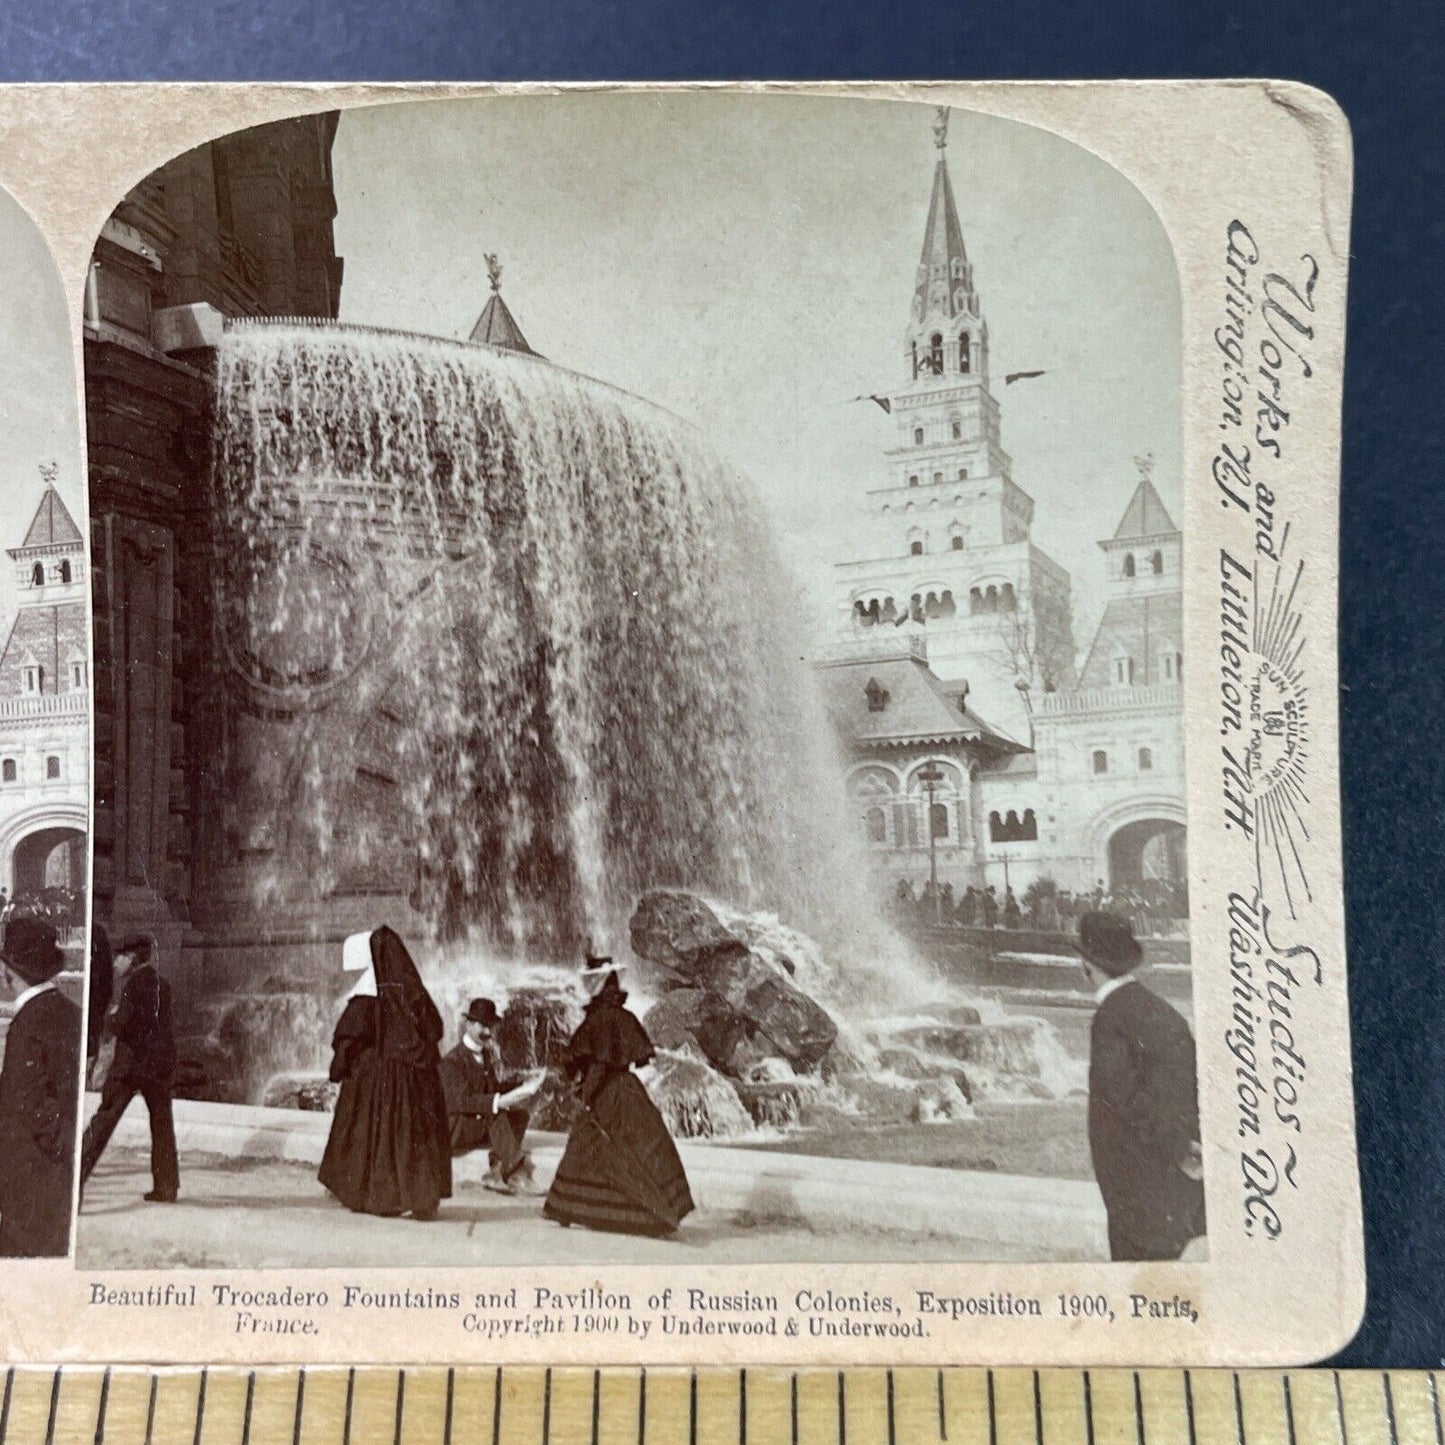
[1146, 515]
[944, 283]
[52, 525]
[496, 326]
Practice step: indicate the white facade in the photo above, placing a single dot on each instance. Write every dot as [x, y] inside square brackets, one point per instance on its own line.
[45, 711]
[1075, 775]
[954, 560]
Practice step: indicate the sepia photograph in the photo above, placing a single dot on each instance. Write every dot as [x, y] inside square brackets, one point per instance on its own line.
[638, 681]
[44, 749]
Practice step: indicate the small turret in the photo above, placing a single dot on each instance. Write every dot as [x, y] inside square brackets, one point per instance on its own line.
[496, 326]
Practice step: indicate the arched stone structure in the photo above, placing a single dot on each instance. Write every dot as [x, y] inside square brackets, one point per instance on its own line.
[29, 838]
[1145, 836]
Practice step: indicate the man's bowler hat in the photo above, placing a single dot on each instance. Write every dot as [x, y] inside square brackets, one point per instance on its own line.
[1107, 941]
[30, 949]
[483, 1011]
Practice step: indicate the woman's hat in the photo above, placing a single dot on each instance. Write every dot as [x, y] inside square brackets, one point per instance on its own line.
[483, 1011]
[1107, 941]
[31, 951]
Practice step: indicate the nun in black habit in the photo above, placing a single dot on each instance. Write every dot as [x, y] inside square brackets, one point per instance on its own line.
[389, 1152]
[620, 1170]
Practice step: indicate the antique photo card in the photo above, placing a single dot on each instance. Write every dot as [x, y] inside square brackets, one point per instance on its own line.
[644, 799]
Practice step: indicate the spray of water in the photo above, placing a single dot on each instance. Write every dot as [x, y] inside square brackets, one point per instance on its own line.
[533, 653]
[542, 649]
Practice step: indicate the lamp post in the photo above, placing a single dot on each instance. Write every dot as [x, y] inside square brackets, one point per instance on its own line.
[931, 777]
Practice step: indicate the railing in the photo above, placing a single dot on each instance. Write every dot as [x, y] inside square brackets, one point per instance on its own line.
[45, 704]
[1102, 699]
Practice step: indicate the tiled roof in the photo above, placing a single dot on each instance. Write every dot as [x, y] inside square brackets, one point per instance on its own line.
[942, 245]
[1138, 627]
[918, 708]
[1145, 516]
[496, 326]
[52, 525]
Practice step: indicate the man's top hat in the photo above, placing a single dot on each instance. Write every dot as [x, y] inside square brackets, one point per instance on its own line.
[483, 1011]
[1107, 941]
[31, 950]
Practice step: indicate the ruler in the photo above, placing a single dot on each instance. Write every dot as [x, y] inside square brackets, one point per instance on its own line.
[580, 1406]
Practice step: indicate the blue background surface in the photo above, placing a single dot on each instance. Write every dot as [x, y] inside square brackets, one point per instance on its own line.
[1382, 62]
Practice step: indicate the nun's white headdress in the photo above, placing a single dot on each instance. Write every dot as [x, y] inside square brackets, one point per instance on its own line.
[356, 958]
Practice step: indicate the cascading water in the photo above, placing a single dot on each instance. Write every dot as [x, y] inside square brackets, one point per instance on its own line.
[564, 611]
[512, 647]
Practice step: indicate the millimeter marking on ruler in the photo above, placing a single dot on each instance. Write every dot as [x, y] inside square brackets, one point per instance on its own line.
[108, 1405]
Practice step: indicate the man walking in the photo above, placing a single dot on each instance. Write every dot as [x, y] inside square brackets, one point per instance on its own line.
[144, 1064]
[39, 1098]
[1143, 1102]
[484, 1108]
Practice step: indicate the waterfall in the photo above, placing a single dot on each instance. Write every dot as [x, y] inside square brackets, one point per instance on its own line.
[515, 644]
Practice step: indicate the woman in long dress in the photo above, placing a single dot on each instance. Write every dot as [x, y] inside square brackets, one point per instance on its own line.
[389, 1150]
[620, 1170]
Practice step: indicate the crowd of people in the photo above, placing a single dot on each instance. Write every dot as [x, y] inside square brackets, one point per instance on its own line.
[63, 907]
[1155, 907]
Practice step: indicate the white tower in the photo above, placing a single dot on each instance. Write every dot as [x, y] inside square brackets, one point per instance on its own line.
[953, 558]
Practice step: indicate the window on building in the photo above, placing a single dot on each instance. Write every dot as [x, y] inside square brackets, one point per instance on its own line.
[1146, 760]
[1013, 828]
[963, 474]
[52, 767]
[915, 549]
[875, 826]
[876, 694]
[1156, 564]
[32, 677]
[913, 480]
[1007, 600]
[965, 362]
[938, 820]
[956, 542]
[937, 479]
[37, 575]
[935, 352]
[975, 601]
[918, 436]
[1128, 564]
[1123, 671]
[958, 431]
[8, 770]
[65, 569]
[77, 676]
[1171, 664]
[1101, 761]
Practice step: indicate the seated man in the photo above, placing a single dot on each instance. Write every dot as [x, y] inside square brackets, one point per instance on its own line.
[484, 1109]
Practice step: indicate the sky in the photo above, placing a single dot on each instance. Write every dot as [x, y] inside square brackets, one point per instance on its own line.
[38, 414]
[748, 263]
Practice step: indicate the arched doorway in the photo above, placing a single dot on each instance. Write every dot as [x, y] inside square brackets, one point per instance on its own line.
[49, 858]
[1148, 851]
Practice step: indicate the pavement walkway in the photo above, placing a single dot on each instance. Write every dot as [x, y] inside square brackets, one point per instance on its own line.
[250, 1198]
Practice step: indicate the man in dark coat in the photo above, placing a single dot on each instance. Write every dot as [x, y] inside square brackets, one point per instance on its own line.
[39, 1098]
[484, 1106]
[144, 1064]
[1143, 1102]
